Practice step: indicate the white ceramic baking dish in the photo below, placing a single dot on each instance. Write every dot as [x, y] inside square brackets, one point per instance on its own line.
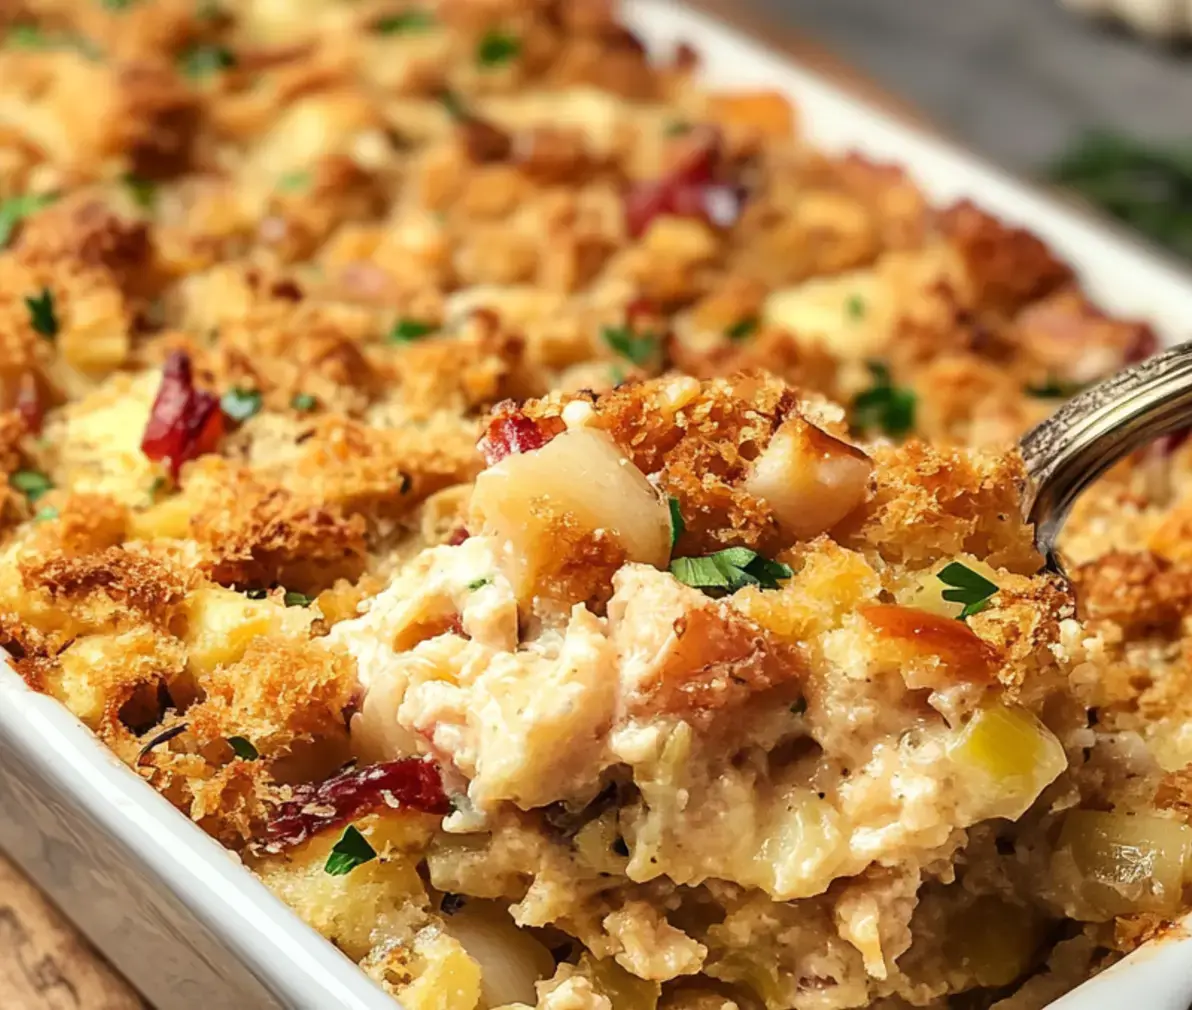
[191, 928]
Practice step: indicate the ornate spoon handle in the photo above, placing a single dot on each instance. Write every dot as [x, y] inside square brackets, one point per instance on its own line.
[1095, 429]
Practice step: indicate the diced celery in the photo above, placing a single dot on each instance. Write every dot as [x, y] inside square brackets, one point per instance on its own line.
[1012, 755]
[1124, 862]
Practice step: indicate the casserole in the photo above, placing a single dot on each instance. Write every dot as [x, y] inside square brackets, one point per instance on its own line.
[1108, 273]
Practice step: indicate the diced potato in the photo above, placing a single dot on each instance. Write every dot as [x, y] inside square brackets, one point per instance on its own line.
[511, 960]
[810, 479]
[803, 846]
[1116, 863]
[450, 978]
[168, 519]
[835, 313]
[221, 623]
[1009, 757]
[582, 478]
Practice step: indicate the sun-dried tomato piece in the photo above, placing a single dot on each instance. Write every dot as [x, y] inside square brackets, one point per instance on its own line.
[512, 431]
[412, 783]
[185, 422]
[690, 189]
[458, 536]
[29, 404]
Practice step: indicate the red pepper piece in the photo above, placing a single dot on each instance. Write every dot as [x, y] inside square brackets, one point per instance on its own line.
[185, 422]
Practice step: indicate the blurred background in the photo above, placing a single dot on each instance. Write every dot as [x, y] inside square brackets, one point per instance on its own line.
[1102, 104]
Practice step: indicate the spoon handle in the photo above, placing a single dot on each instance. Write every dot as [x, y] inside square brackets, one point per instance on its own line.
[1095, 429]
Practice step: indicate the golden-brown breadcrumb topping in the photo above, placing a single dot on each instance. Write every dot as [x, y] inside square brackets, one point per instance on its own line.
[562, 530]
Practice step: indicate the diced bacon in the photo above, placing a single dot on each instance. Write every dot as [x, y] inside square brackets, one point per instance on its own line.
[185, 422]
[29, 404]
[511, 431]
[413, 783]
[690, 189]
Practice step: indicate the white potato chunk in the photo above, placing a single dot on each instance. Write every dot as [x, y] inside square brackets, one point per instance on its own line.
[811, 479]
[580, 477]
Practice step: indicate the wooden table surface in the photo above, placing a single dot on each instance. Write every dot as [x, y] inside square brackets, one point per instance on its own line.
[44, 963]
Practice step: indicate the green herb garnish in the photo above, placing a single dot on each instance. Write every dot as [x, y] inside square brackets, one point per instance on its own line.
[116, 5]
[26, 37]
[453, 105]
[244, 748]
[350, 851]
[497, 48]
[854, 307]
[159, 484]
[729, 570]
[292, 182]
[677, 128]
[969, 588]
[678, 527]
[303, 402]
[41, 313]
[293, 598]
[478, 584]
[31, 483]
[16, 209]
[240, 404]
[638, 349]
[746, 327]
[203, 60]
[143, 191]
[406, 331]
[413, 20]
[884, 405]
[45, 514]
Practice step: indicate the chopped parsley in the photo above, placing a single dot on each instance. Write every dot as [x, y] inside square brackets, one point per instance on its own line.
[293, 598]
[240, 404]
[406, 331]
[746, 327]
[478, 583]
[143, 191]
[15, 209]
[350, 851]
[159, 484]
[678, 527]
[244, 748]
[453, 105]
[635, 348]
[884, 405]
[303, 402]
[45, 514]
[26, 37]
[293, 182]
[31, 483]
[730, 570]
[41, 313]
[203, 60]
[414, 20]
[854, 308]
[208, 10]
[968, 587]
[1055, 389]
[677, 128]
[497, 48]
[116, 5]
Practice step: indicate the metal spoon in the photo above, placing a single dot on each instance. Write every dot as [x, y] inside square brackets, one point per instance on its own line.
[1095, 429]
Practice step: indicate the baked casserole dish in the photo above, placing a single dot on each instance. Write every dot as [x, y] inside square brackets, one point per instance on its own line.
[563, 532]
